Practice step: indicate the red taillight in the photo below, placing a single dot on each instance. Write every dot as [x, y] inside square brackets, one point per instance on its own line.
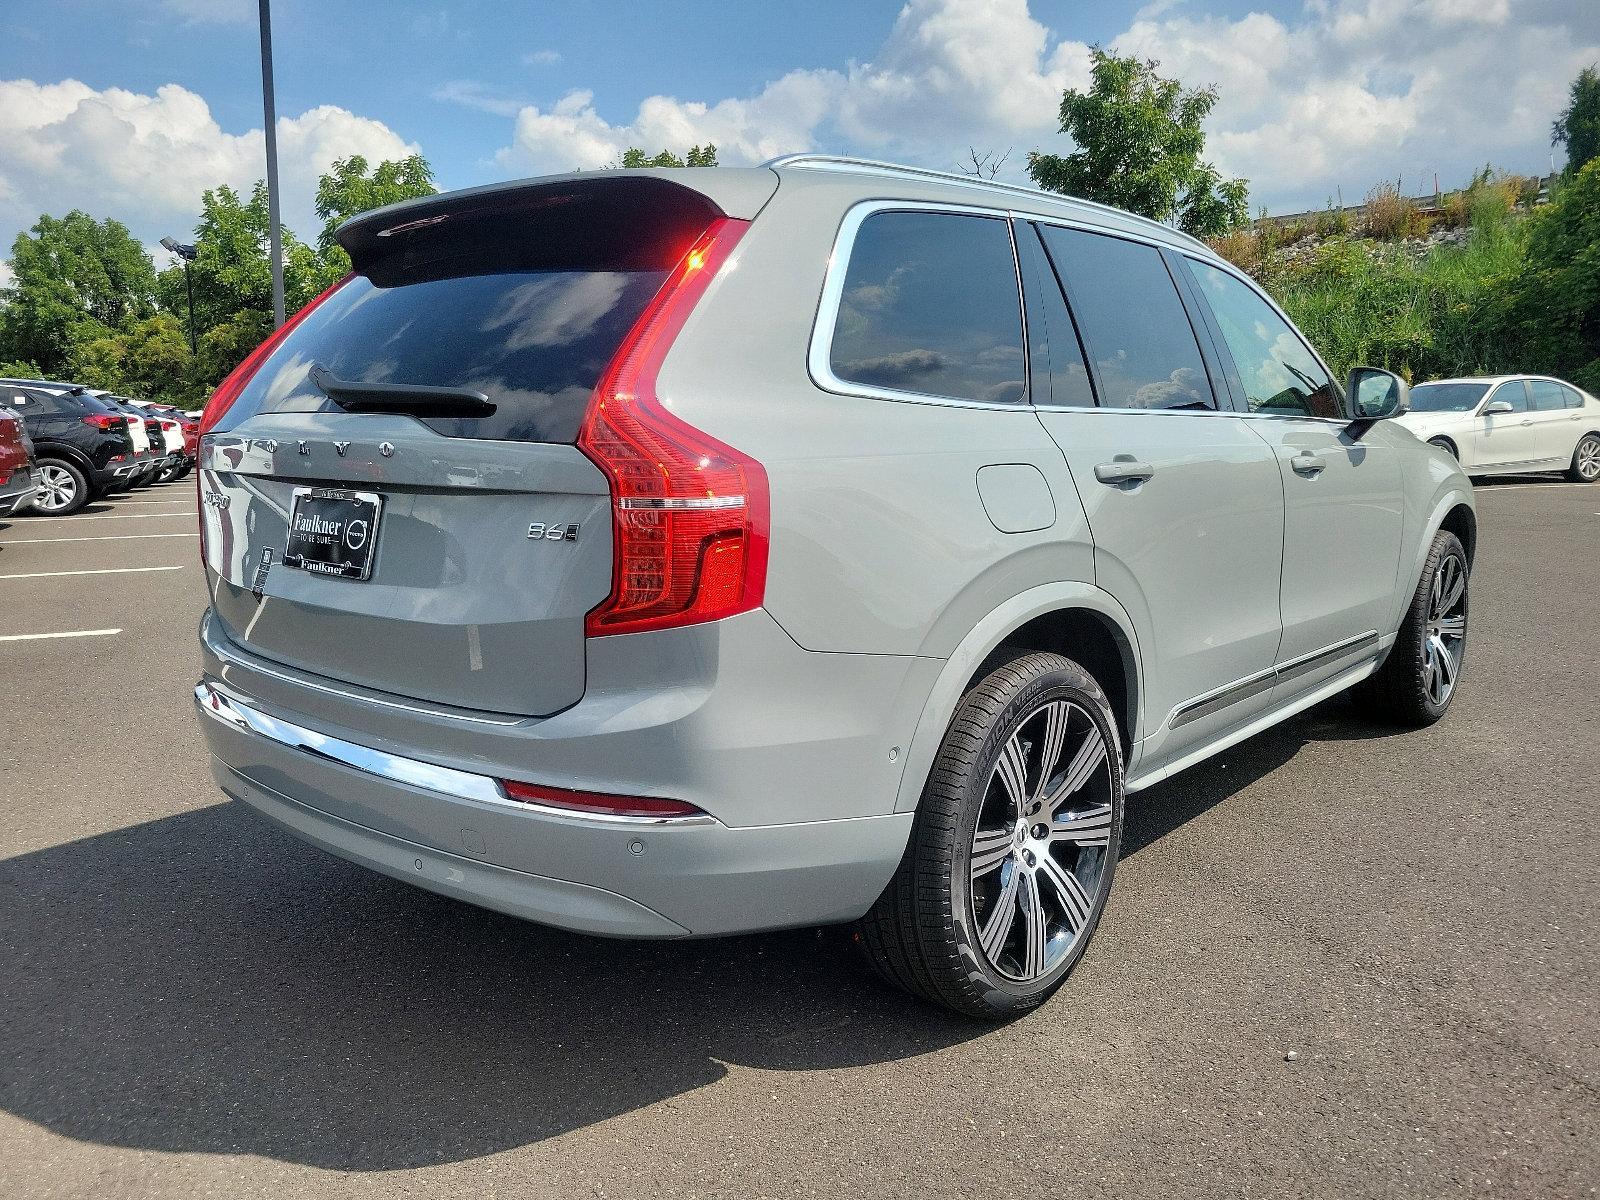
[228, 390]
[597, 802]
[103, 421]
[689, 513]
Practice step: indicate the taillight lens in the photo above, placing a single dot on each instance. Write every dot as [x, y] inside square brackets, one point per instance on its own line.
[228, 390]
[599, 803]
[689, 513]
[103, 421]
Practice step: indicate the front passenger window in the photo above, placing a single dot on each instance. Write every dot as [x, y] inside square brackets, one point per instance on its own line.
[1514, 393]
[1280, 375]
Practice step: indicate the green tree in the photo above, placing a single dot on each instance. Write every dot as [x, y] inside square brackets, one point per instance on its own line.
[74, 279]
[698, 156]
[1139, 143]
[349, 188]
[1578, 128]
[1556, 299]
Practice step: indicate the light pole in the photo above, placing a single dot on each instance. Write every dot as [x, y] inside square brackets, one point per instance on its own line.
[270, 107]
[188, 254]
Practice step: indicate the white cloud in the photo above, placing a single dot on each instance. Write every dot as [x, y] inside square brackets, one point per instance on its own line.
[145, 159]
[541, 58]
[213, 12]
[469, 93]
[1344, 94]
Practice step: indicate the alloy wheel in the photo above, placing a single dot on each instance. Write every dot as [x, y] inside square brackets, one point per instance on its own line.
[57, 488]
[1447, 629]
[1039, 847]
[1589, 459]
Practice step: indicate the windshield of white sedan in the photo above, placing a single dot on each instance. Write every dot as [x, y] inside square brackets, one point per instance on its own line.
[1447, 397]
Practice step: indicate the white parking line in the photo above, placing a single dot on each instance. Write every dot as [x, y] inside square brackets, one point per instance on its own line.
[111, 517]
[102, 571]
[135, 503]
[34, 637]
[1525, 487]
[105, 537]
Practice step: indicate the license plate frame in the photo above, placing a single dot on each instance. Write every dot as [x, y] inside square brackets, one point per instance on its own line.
[340, 530]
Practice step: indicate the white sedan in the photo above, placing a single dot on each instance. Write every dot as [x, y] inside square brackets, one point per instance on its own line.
[1509, 424]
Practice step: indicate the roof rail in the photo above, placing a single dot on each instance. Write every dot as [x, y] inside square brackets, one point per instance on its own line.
[873, 166]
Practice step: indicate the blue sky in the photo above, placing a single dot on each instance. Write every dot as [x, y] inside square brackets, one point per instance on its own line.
[129, 107]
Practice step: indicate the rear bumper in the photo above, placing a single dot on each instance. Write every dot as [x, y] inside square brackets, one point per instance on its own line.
[18, 491]
[452, 832]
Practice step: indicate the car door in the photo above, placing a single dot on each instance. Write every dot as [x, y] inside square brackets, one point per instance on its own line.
[1505, 440]
[1555, 426]
[1343, 496]
[1183, 501]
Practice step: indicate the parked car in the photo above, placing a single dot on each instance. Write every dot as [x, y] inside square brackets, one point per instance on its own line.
[671, 554]
[167, 436]
[82, 446]
[146, 460]
[19, 482]
[1510, 424]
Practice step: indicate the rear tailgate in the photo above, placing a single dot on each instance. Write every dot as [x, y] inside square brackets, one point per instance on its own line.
[490, 533]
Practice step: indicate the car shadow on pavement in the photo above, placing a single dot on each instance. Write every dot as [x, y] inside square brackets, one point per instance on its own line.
[203, 983]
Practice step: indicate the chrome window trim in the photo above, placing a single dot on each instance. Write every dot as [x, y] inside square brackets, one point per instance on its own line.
[229, 710]
[819, 355]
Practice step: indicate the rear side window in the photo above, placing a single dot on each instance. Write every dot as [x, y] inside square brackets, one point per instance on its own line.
[1573, 397]
[1279, 373]
[930, 305]
[1547, 396]
[1133, 322]
[524, 299]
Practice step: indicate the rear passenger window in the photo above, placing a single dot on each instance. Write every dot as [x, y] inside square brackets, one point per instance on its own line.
[1546, 395]
[1134, 325]
[930, 305]
[1279, 373]
[1574, 400]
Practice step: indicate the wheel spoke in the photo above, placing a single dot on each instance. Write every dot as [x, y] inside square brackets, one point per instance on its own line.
[990, 848]
[1074, 901]
[1453, 626]
[1001, 917]
[1447, 663]
[1091, 827]
[1037, 935]
[1456, 586]
[1055, 737]
[1012, 770]
[1083, 766]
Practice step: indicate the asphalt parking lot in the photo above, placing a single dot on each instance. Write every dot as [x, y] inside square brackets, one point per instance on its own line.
[1339, 960]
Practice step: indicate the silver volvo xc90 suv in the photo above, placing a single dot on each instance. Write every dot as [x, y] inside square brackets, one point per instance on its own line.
[666, 553]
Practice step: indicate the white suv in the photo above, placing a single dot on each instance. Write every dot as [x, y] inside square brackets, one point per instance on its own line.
[687, 552]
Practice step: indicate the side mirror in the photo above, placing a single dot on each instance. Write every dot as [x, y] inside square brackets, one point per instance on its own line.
[1375, 395]
[1497, 406]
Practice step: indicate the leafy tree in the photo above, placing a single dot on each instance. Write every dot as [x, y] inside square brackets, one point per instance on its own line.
[698, 156]
[75, 279]
[1556, 302]
[1578, 128]
[1139, 144]
[349, 189]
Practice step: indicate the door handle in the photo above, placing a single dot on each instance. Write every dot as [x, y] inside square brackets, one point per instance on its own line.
[1527, 422]
[1307, 463]
[1124, 470]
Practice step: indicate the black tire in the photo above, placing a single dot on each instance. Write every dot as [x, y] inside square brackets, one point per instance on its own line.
[1585, 466]
[1446, 445]
[924, 934]
[1404, 690]
[66, 489]
[166, 474]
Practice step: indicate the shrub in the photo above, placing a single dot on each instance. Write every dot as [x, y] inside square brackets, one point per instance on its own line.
[1389, 216]
[1241, 247]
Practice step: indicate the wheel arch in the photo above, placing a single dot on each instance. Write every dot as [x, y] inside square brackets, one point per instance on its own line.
[1076, 620]
[43, 448]
[1450, 442]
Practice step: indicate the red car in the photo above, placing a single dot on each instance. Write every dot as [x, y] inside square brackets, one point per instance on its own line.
[18, 481]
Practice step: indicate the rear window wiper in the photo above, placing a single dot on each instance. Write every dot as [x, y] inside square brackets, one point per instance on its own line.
[413, 399]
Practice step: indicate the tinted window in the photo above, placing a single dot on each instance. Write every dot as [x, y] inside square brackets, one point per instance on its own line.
[1133, 323]
[1546, 395]
[1280, 375]
[1573, 398]
[1446, 397]
[1514, 394]
[930, 305]
[1059, 376]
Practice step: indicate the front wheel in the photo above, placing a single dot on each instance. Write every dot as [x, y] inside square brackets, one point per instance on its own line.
[1418, 680]
[1014, 845]
[1585, 466]
[63, 489]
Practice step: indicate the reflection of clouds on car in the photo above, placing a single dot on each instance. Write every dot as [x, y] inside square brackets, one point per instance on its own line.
[900, 370]
[555, 310]
[1184, 386]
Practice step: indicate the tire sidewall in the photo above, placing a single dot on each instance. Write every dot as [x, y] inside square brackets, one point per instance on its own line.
[80, 484]
[995, 989]
[1446, 545]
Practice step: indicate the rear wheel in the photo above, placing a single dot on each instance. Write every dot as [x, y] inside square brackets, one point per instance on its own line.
[1585, 466]
[63, 488]
[167, 474]
[1014, 845]
[1418, 680]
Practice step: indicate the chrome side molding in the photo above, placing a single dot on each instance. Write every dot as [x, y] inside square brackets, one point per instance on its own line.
[1254, 685]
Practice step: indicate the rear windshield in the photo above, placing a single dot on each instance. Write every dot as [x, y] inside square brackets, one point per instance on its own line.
[1446, 397]
[526, 306]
